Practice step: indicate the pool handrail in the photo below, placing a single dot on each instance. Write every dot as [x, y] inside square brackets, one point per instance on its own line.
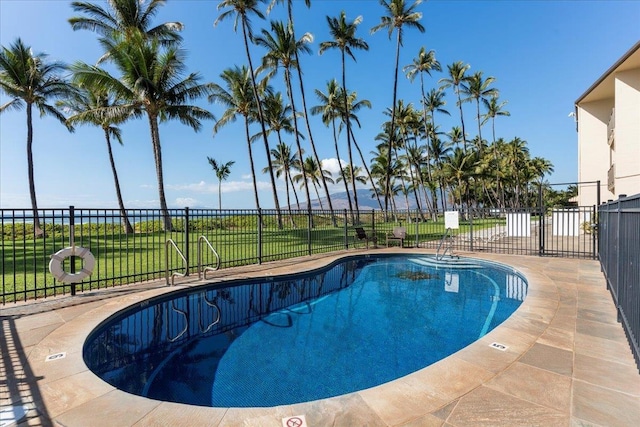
[202, 272]
[166, 262]
[447, 248]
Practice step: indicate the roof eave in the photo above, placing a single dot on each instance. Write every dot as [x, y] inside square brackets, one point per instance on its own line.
[607, 73]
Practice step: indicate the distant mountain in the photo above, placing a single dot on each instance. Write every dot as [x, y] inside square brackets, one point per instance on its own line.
[366, 201]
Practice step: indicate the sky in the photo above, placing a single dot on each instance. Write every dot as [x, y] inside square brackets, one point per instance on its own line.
[543, 55]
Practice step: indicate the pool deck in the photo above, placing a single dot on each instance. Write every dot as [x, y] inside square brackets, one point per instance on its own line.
[567, 363]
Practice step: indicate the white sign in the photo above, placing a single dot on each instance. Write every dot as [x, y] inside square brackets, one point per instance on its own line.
[451, 220]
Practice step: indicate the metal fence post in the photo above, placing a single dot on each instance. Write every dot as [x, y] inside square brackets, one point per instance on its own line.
[373, 222]
[470, 215]
[540, 223]
[417, 218]
[617, 254]
[309, 226]
[596, 232]
[259, 235]
[346, 232]
[72, 243]
[186, 238]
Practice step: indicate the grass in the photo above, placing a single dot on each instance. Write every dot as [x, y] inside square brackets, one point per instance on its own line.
[122, 258]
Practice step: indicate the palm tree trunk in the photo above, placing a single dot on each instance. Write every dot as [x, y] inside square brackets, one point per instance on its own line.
[287, 78]
[261, 120]
[37, 230]
[344, 178]
[464, 135]
[431, 206]
[311, 141]
[393, 121]
[157, 154]
[253, 169]
[315, 187]
[306, 119]
[126, 225]
[366, 168]
[479, 124]
[293, 187]
[286, 185]
[347, 121]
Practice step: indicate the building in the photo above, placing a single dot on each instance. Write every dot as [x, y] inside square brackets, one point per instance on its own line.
[608, 122]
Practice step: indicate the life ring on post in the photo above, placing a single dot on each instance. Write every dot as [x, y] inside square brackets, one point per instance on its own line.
[88, 262]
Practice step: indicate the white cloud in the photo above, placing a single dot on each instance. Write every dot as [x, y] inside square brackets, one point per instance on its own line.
[200, 187]
[333, 166]
[187, 201]
[142, 204]
[203, 187]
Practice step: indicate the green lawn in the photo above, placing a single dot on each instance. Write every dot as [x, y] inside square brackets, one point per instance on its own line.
[122, 258]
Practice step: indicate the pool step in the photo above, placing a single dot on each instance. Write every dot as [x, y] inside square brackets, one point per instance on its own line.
[448, 262]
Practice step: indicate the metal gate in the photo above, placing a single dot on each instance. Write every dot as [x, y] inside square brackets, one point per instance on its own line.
[569, 231]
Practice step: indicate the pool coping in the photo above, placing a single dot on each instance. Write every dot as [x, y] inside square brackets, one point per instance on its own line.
[70, 394]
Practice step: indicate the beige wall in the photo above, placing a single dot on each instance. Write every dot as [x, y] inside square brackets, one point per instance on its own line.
[593, 150]
[627, 132]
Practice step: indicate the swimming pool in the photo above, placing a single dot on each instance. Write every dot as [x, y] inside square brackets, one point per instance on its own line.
[359, 322]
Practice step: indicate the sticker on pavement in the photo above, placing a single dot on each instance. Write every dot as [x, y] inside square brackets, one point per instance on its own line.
[295, 421]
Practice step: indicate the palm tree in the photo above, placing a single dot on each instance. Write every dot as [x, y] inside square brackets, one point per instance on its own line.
[478, 89]
[493, 110]
[330, 111]
[439, 152]
[279, 119]
[285, 161]
[242, 9]
[239, 100]
[311, 172]
[398, 14]
[434, 102]
[277, 116]
[455, 136]
[125, 17]
[280, 48]
[352, 175]
[457, 76]
[94, 106]
[354, 107]
[349, 175]
[407, 125]
[379, 171]
[458, 170]
[423, 63]
[541, 167]
[222, 171]
[151, 81]
[345, 41]
[516, 154]
[303, 96]
[31, 81]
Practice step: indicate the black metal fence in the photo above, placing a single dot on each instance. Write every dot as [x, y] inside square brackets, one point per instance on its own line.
[243, 237]
[619, 229]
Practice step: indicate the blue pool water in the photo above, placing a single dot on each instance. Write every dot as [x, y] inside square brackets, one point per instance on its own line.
[356, 324]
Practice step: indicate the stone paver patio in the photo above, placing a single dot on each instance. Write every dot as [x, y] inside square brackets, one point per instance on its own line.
[568, 363]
